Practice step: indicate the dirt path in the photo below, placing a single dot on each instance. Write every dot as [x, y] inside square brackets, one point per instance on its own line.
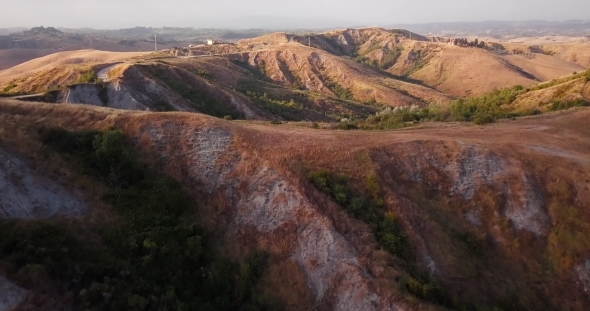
[103, 74]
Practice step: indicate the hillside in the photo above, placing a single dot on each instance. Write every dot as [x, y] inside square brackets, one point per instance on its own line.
[455, 70]
[293, 65]
[579, 54]
[57, 60]
[548, 95]
[444, 216]
[290, 82]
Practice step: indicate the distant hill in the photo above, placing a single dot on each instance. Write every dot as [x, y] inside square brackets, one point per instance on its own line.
[8, 31]
[330, 76]
[503, 28]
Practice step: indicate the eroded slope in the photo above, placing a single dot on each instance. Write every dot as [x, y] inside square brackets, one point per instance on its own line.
[496, 222]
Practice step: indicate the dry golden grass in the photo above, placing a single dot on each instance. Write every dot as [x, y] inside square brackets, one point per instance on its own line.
[575, 53]
[12, 57]
[567, 91]
[469, 72]
[544, 67]
[63, 58]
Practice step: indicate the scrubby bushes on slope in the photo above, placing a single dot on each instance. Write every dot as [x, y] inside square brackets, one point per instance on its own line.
[286, 109]
[153, 256]
[479, 110]
[368, 206]
[88, 76]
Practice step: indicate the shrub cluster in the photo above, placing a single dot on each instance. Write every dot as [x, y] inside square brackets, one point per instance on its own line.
[426, 289]
[389, 59]
[562, 105]
[203, 73]
[479, 110]
[366, 206]
[88, 76]
[343, 93]
[288, 110]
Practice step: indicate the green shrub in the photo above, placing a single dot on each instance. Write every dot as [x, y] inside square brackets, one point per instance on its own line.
[347, 126]
[561, 105]
[288, 110]
[88, 76]
[427, 289]
[483, 119]
[340, 91]
[228, 118]
[202, 73]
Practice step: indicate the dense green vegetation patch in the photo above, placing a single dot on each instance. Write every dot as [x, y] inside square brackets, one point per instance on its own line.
[561, 105]
[480, 110]
[288, 109]
[342, 92]
[390, 57]
[153, 256]
[203, 74]
[419, 62]
[366, 206]
[88, 76]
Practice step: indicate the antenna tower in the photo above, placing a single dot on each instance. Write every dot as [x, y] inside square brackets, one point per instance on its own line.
[156, 42]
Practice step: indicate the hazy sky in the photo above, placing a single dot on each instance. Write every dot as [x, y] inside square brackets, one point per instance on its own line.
[273, 13]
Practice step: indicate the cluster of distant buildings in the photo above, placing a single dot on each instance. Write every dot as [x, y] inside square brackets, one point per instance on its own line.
[208, 42]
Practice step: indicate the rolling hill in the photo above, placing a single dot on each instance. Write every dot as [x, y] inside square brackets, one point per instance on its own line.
[342, 74]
